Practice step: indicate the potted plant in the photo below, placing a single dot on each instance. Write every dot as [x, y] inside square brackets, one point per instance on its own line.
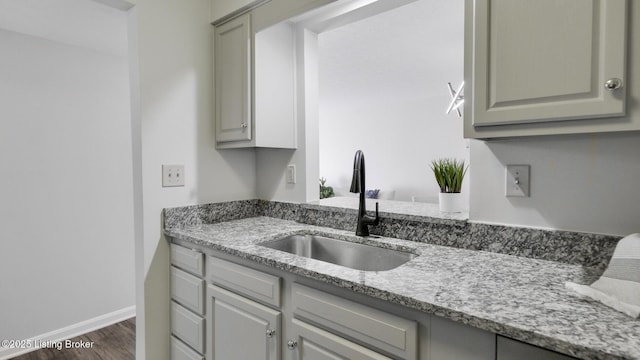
[325, 191]
[449, 174]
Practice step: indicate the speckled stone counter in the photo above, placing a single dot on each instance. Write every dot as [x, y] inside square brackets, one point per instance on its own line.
[415, 222]
[517, 297]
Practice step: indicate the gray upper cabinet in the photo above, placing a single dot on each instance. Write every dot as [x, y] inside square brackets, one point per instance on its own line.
[531, 65]
[536, 60]
[254, 84]
[255, 72]
[232, 71]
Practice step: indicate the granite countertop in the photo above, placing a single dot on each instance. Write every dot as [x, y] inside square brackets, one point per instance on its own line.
[521, 298]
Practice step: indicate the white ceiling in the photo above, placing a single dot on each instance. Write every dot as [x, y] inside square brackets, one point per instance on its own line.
[84, 23]
[410, 51]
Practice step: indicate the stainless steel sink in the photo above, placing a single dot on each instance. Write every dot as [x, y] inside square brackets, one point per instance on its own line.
[339, 252]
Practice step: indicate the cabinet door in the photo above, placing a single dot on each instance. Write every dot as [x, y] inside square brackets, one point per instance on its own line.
[232, 70]
[547, 60]
[316, 344]
[239, 328]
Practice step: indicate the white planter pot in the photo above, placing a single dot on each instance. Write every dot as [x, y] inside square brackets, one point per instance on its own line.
[450, 202]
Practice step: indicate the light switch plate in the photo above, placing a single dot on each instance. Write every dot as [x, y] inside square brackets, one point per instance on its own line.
[172, 175]
[517, 180]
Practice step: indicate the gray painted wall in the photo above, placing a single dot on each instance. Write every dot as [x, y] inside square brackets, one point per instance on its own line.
[583, 183]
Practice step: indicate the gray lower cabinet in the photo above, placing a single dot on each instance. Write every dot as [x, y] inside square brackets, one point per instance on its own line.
[389, 333]
[187, 304]
[264, 288]
[234, 311]
[244, 318]
[187, 326]
[259, 316]
[508, 349]
[313, 343]
[189, 260]
[187, 290]
[180, 351]
[240, 328]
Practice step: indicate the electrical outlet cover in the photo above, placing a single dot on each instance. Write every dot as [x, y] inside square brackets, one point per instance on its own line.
[517, 180]
[291, 174]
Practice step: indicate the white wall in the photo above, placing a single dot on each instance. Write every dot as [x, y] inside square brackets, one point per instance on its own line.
[66, 187]
[400, 140]
[585, 183]
[385, 93]
[272, 164]
[175, 62]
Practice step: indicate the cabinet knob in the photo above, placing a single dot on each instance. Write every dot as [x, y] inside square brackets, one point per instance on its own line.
[291, 344]
[243, 125]
[270, 333]
[613, 84]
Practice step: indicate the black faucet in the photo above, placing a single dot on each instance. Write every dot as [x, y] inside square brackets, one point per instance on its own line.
[357, 186]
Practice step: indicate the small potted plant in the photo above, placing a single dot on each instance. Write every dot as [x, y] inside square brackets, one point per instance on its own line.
[449, 174]
[325, 191]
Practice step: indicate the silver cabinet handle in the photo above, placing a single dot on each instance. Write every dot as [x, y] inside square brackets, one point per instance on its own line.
[291, 344]
[613, 84]
[270, 333]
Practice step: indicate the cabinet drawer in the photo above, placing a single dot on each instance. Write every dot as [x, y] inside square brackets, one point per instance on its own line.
[384, 331]
[187, 290]
[315, 343]
[187, 327]
[251, 283]
[187, 260]
[180, 351]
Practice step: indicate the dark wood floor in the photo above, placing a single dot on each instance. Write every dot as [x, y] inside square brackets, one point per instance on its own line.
[115, 342]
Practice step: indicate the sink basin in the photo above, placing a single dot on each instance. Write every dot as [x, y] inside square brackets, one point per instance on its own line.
[339, 252]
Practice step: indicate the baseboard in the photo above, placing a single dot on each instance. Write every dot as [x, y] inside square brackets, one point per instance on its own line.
[71, 331]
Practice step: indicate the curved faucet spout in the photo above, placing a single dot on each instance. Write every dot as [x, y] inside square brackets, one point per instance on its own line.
[358, 186]
[357, 182]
